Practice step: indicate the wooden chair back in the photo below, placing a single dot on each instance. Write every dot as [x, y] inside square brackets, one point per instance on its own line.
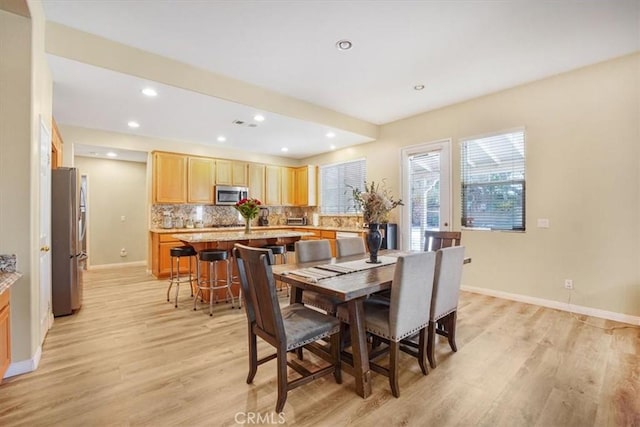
[258, 285]
[434, 240]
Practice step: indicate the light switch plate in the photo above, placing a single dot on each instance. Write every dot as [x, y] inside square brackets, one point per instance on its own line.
[543, 223]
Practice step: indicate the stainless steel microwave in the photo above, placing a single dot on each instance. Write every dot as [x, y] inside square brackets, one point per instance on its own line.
[227, 195]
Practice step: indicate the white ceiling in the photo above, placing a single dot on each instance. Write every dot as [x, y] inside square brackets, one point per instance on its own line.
[457, 49]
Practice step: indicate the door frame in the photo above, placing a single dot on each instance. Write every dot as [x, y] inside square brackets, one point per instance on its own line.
[446, 180]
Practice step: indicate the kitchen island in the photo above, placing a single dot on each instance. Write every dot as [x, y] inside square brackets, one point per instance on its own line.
[226, 239]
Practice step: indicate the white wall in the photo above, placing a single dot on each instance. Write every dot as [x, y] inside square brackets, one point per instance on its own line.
[583, 163]
[115, 189]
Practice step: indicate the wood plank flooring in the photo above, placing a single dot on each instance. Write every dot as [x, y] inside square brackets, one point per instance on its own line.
[128, 357]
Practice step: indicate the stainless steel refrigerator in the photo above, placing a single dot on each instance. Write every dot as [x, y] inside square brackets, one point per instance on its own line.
[66, 238]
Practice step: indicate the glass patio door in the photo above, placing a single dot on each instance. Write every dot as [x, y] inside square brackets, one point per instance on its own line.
[426, 179]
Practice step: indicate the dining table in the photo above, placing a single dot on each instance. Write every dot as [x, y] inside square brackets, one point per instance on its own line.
[350, 280]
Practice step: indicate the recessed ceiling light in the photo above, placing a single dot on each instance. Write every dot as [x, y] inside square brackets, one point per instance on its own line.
[284, 149]
[221, 138]
[331, 135]
[418, 87]
[112, 154]
[332, 147]
[149, 91]
[133, 124]
[344, 44]
[258, 118]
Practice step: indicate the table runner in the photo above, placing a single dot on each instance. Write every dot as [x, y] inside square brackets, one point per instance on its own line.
[331, 270]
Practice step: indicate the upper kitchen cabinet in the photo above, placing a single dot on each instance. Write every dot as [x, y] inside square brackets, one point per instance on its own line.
[256, 182]
[231, 173]
[287, 187]
[200, 180]
[169, 178]
[273, 185]
[306, 186]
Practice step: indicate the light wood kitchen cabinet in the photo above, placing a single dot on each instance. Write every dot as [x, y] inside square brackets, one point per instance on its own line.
[305, 186]
[201, 178]
[229, 172]
[256, 181]
[287, 180]
[273, 185]
[161, 245]
[5, 332]
[169, 178]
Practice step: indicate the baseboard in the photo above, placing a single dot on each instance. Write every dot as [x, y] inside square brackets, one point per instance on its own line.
[571, 308]
[118, 265]
[24, 366]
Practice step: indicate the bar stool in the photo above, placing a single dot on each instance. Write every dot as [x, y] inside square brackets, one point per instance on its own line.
[213, 257]
[280, 250]
[174, 278]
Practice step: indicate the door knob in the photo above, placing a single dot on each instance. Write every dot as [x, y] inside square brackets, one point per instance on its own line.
[446, 224]
[45, 248]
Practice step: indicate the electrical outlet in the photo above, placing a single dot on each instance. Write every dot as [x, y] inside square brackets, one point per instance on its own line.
[568, 284]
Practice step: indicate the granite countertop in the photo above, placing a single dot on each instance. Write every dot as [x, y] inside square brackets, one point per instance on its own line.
[8, 279]
[231, 236]
[255, 228]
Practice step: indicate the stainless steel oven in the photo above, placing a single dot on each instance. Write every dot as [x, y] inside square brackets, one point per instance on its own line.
[227, 195]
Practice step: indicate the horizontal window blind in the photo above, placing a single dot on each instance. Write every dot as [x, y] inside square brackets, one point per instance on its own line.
[493, 181]
[335, 181]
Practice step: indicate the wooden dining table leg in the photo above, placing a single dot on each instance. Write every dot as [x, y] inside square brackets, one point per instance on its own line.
[361, 370]
[296, 295]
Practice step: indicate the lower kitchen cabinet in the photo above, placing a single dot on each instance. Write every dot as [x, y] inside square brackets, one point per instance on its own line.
[5, 332]
[161, 245]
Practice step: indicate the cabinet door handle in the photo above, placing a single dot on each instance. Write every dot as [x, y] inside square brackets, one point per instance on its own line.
[45, 248]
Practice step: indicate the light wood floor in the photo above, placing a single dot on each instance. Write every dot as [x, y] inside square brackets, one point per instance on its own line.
[130, 358]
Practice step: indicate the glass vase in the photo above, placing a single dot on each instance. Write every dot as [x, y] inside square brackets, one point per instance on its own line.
[247, 226]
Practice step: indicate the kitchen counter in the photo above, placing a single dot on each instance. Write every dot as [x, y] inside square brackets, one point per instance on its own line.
[238, 236]
[8, 279]
[255, 228]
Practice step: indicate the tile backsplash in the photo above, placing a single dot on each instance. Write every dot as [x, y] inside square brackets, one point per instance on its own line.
[8, 263]
[227, 215]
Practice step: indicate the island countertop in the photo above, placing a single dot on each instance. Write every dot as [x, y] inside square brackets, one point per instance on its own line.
[239, 236]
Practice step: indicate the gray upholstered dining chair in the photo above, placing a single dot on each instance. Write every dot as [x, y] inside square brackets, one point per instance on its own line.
[310, 251]
[406, 313]
[287, 329]
[444, 303]
[347, 246]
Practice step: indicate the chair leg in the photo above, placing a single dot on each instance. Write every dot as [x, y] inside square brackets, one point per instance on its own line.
[393, 368]
[422, 351]
[431, 344]
[282, 380]
[336, 342]
[177, 281]
[451, 330]
[299, 353]
[253, 356]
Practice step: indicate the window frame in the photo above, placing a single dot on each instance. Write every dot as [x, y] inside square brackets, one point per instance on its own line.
[349, 210]
[521, 182]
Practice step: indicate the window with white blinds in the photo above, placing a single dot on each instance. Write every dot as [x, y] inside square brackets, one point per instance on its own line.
[335, 186]
[493, 181]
